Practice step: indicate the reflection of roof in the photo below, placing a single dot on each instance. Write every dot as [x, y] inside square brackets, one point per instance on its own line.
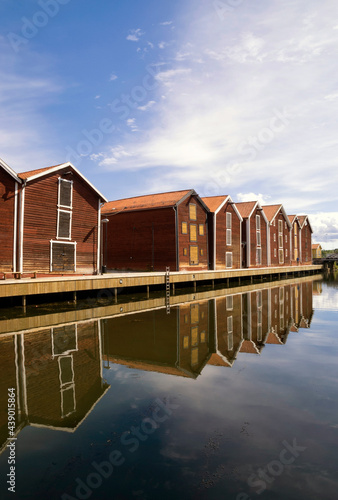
[159, 200]
[151, 367]
[273, 339]
[217, 360]
[249, 347]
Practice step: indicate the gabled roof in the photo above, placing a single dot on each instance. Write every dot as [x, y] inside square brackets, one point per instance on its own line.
[271, 211]
[31, 175]
[246, 209]
[316, 245]
[302, 219]
[293, 218]
[215, 204]
[150, 201]
[10, 171]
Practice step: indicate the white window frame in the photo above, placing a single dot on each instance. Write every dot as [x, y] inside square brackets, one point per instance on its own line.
[226, 260]
[65, 352]
[258, 260]
[70, 225]
[229, 302]
[60, 180]
[64, 243]
[228, 228]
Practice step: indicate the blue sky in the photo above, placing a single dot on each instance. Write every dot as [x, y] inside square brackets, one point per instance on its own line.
[228, 97]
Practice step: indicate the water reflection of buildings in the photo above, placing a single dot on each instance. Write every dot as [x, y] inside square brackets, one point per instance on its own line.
[212, 331]
[57, 370]
[56, 373]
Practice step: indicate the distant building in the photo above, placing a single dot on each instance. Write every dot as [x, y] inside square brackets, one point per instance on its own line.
[152, 232]
[254, 234]
[305, 240]
[225, 239]
[316, 251]
[279, 235]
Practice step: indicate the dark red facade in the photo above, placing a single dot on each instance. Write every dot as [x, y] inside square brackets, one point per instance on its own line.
[8, 207]
[153, 238]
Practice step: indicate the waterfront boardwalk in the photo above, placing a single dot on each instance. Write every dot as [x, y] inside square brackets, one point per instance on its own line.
[123, 280]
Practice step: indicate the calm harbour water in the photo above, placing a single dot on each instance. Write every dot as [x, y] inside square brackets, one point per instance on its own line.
[230, 396]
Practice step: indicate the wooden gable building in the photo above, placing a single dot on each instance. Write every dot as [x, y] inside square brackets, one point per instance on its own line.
[294, 239]
[225, 238]
[305, 240]
[59, 222]
[9, 188]
[152, 232]
[279, 235]
[254, 234]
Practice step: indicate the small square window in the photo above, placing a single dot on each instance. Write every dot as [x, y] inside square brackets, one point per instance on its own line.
[184, 228]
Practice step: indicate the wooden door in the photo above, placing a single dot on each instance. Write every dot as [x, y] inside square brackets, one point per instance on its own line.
[63, 257]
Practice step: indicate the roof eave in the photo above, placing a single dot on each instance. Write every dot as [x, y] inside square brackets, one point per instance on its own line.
[10, 171]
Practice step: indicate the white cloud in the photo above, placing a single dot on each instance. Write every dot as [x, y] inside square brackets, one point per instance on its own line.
[166, 23]
[131, 122]
[264, 199]
[112, 77]
[147, 106]
[135, 35]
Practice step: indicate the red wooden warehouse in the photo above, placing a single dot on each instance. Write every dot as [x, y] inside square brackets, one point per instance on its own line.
[59, 222]
[254, 234]
[305, 240]
[279, 235]
[294, 239]
[225, 238]
[156, 231]
[9, 188]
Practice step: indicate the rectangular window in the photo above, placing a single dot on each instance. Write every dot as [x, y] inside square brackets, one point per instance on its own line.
[65, 198]
[281, 256]
[274, 237]
[258, 234]
[230, 341]
[229, 303]
[230, 324]
[194, 335]
[193, 255]
[193, 232]
[286, 238]
[194, 313]
[280, 234]
[185, 342]
[258, 222]
[259, 298]
[202, 337]
[194, 356]
[64, 225]
[202, 252]
[201, 229]
[64, 340]
[192, 211]
[184, 228]
[286, 252]
[228, 228]
[185, 252]
[258, 256]
[275, 252]
[228, 259]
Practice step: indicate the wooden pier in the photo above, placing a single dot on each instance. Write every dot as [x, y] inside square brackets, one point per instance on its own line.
[118, 281]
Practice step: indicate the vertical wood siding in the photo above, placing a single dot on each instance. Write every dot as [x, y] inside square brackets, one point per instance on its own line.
[274, 245]
[7, 201]
[141, 240]
[221, 244]
[40, 223]
[184, 239]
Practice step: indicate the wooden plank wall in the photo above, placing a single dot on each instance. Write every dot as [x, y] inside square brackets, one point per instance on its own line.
[131, 236]
[7, 200]
[221, 246]
[40, 223]
[274, 245]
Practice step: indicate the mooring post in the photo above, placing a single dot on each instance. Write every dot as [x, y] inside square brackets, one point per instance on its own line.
[173, 288]
[213, 283]
[148, 291]
[195, 286]
[74, 297]
[24, 302]
[115, 293]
